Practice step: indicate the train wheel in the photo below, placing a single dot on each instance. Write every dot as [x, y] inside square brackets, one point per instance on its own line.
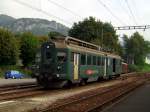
[99, 79]
[68, 84]
[106, 78]
[83, 82]
[110, 77]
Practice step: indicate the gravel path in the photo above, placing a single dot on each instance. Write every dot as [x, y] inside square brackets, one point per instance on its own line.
[6, 82]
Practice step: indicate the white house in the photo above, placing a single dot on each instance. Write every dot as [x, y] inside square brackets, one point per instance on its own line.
[147, 59]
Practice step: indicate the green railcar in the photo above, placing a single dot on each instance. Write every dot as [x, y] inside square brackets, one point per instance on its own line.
[69, 60]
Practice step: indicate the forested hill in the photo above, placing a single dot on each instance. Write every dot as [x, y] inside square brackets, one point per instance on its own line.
[36, 26]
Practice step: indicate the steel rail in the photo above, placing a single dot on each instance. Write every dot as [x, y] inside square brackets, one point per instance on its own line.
[124, 86]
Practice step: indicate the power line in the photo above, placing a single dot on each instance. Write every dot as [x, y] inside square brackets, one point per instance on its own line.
[44, 12]
[136, 10]
[75, 14]
[101, 3]
[131, 12]
[125, 10]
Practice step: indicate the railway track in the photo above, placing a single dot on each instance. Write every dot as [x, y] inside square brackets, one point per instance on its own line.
[96, 99]
[18, 91]
[87, 102]
[8, 88]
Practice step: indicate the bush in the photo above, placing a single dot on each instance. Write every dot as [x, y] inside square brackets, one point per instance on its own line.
[144, 68]
[133, 68]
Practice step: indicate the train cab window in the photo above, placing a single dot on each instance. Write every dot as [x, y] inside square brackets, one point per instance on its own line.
[89, 59]
[61, 57]
[38, 57]
[94, 60]
[83, 59]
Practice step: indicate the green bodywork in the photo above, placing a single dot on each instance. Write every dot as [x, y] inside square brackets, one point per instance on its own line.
[87, 71]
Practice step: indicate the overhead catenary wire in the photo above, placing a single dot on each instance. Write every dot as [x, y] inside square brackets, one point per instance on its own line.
[136, 10]
[68, 10]
[125, 10]
[134, 19]
[107, 8]
[42, 11]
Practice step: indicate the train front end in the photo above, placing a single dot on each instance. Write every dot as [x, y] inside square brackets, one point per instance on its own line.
[52, 68]
[47, 65]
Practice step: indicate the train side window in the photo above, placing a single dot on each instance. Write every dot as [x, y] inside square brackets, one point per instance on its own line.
[98, 60]
[94, 60]
[120, 62]
[89, 59]
[109, 62]
[102, 61]
[117, 62]
[83, 59]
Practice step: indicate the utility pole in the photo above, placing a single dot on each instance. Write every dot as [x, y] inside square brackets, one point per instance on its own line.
[102, 37]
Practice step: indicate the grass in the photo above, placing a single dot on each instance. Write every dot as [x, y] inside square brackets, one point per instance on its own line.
[144, 68]
[140, 68]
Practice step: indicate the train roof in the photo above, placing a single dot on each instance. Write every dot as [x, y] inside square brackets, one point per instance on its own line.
[81, 46]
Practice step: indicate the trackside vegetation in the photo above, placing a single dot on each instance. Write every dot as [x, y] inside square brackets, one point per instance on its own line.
[17, 51]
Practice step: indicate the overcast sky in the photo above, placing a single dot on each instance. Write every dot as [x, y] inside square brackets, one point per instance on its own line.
[118, 12]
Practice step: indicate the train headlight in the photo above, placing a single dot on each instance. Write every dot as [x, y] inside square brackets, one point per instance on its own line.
[59, 67]
[57, 75]
[48, 47]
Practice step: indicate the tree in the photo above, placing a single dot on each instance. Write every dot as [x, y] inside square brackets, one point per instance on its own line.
[28, 47]
[110, 39]
[87, 30]
[136, 49]
[97, 32]
[9, 51]
[54, 34]
[42, 39]
[125, 40]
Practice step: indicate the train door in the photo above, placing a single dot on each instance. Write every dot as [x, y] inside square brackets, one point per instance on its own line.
[114, 65]
[76, 66]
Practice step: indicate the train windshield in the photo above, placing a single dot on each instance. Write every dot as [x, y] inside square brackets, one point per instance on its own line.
[38, 57]
[61, 57]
